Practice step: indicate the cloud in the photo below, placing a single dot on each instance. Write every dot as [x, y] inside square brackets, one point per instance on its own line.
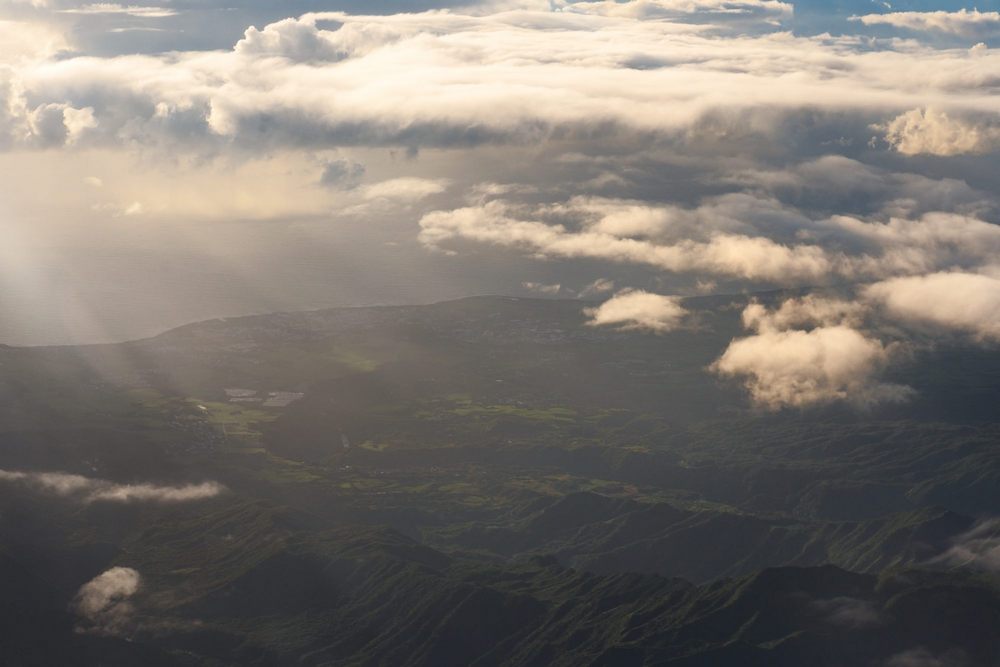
[103, 603]
[770, 11]
[977, 549]
[784, 367]
[973, 24]
[966, 302]
[448, 79]
[342, 174]
[406, 189]
[934, 132]
[599, 286]
[89, 490]
[23, 41]
[841, 184]
[755, 258]
[542, 288]
[809, 311]
[736, 236]
[849, 612]
[636, 310]
[146, 12]
[921, 657]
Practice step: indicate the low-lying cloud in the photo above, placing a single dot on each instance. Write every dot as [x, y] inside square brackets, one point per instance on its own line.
[637, 310]
[90, 490]
[788, 367]
[103, 604]
[978, 549]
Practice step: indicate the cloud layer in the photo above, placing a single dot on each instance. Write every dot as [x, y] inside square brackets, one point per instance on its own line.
[640, 68]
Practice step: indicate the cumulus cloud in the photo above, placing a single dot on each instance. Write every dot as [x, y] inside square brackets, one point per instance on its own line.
[637, 310]
[973, 23]
[966, 302]
[103, 603]
[90, 490]
[935, 132]
[786, 367]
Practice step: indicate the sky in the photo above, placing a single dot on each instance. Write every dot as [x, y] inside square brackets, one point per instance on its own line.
[170, 161]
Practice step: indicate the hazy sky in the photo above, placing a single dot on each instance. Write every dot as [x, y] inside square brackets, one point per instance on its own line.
[169, 161]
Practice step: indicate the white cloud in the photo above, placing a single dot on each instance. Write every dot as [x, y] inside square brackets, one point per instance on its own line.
[542, 288]
[806, 312]
[103, 602]
[783, 366]
[800, 368]
[90, 490]
[769, 10]
[638, 310]
[755, 258]
[730, 236]
[934, 132]
[22, 41]
[129, 10]
[965, 302]
[973, 23]
[406, 189]
[441, 78]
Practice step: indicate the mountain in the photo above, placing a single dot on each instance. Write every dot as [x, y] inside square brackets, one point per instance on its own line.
[489, 481]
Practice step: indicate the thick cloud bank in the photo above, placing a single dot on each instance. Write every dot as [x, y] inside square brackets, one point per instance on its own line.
[521, 74]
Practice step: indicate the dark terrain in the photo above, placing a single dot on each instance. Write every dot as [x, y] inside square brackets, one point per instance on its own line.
[493, 482]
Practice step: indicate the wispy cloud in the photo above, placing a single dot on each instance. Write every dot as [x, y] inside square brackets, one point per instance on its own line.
[90, 490]
[128, 10]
